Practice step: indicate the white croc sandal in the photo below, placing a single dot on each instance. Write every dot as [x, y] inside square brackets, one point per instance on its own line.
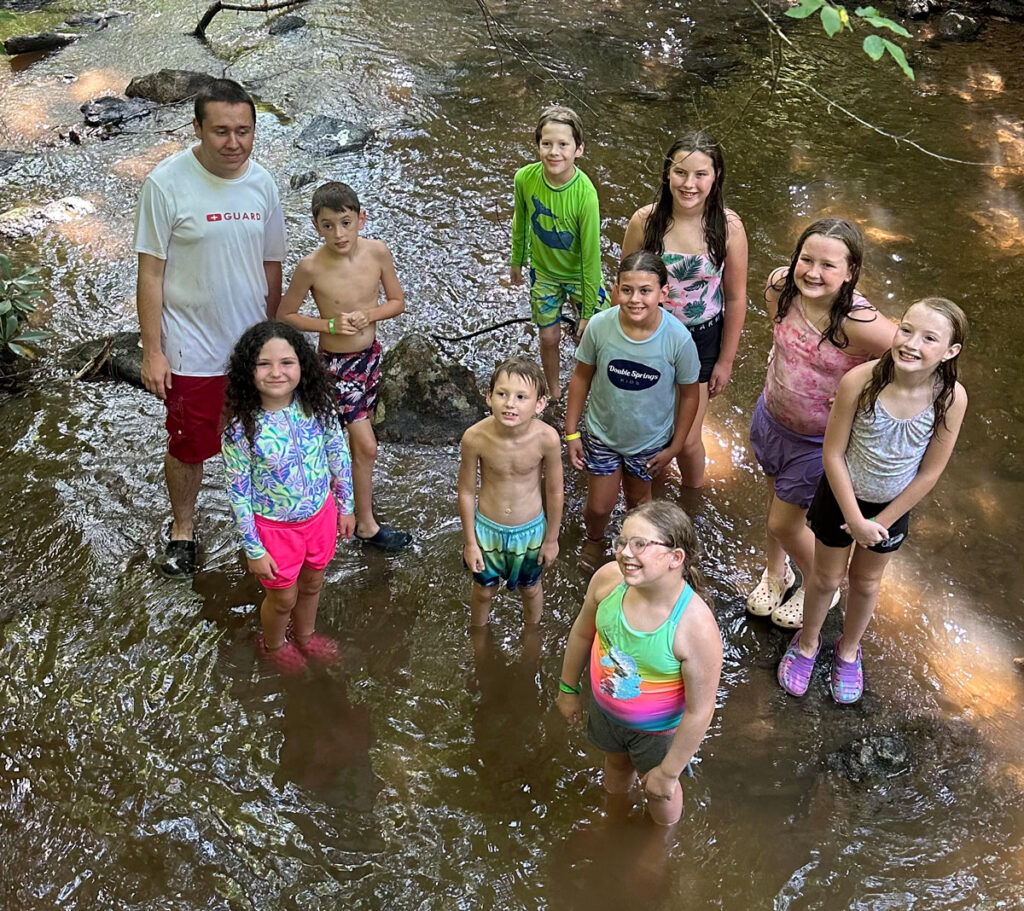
[790, 614]
[769, 592]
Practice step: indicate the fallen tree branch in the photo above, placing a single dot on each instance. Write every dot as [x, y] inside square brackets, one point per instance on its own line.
[265, 7]
[568, 320]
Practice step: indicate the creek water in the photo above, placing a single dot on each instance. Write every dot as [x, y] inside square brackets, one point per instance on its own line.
[146, 760]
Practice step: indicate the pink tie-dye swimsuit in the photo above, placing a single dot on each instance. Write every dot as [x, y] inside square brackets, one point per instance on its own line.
[804, 371]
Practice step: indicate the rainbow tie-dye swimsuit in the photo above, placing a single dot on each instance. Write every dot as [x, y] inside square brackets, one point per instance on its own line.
[635, 677]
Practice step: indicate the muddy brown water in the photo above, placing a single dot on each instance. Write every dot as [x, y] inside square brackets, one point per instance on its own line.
[145, 759]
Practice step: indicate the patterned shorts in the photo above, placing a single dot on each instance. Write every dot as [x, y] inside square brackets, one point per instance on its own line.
[547, 295]
[357, 381]
[510, 552]
[600, 459]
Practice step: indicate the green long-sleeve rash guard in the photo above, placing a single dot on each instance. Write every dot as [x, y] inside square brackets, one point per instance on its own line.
[557, 231]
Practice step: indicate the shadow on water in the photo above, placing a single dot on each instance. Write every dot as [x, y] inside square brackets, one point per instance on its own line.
[146, 760]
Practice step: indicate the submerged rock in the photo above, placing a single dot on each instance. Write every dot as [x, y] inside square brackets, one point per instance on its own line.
[958, 27]
[167, 86]
[914, 9]
[98, 20]
[24, 221]
[117, 356]
[286, 24]
[44, 41]
[300, 180]
[1014, 9]
[8, 159]
[423, 398]
[873, 758]
[111, 110]
[324, 136]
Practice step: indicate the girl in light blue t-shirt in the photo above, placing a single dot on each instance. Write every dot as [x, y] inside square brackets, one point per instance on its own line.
[637, 373]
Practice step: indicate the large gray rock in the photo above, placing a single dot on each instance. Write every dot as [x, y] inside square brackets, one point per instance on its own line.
[423, 398]
[324, 136]
[44, 41]
[167, 86]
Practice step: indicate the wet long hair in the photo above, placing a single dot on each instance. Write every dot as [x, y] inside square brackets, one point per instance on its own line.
[242, 401]
[676, 530]
[849, 234]
[644, 261]
[659, 221]
[946, 373]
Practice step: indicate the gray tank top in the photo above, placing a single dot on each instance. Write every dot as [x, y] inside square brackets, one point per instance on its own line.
[884, 452]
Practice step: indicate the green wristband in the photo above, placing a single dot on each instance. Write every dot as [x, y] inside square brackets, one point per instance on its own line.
[564, 687]
[330, 325]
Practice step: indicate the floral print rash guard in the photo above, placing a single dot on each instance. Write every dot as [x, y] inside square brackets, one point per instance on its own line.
[288, 472]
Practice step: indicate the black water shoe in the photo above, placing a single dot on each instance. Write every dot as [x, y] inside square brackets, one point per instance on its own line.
[389, 540]
[179, 560]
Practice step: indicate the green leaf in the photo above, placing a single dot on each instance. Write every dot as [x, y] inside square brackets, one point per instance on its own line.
[5, 267]
[896, 52]
[10, 326]
[874, 47]
[5, 307]
[21, 350]
[33, 335]
[870, 14]
[805, 9]
[830, 20]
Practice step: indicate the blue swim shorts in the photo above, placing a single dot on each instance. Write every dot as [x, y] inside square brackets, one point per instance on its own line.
[600, 459]
[547, 295]
[510, 552]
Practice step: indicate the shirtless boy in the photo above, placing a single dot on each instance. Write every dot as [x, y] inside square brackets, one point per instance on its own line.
[346, 275]
[510, 532]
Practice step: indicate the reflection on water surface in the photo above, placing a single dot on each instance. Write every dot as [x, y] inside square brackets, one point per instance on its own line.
[146, 761]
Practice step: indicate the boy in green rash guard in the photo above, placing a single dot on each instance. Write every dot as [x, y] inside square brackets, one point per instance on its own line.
[556, 228]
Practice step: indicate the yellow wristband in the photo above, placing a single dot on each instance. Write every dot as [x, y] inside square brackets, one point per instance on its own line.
[330, 325]
[569, 437]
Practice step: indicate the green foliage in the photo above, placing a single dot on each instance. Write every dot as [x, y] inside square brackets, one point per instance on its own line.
[834, 18]
[18, 294]
[5, 16]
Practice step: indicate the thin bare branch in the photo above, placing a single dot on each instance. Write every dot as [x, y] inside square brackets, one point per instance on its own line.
[265, 7]
[835, 105]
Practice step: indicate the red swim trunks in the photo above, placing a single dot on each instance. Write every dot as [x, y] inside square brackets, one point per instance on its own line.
[195, 417]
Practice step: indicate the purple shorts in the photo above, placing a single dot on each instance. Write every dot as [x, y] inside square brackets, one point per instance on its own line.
[294, 545]
[356, 381]
[793, 459]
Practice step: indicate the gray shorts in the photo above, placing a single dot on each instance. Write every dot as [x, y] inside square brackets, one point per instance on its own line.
[645, 749]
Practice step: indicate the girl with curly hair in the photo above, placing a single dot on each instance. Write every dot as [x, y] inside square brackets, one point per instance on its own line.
[289, 482]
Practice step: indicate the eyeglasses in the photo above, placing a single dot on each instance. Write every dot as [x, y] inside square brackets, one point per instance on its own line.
[636, 545]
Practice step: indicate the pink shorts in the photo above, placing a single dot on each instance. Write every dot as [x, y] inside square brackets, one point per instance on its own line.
[195, 417]
[294, 545]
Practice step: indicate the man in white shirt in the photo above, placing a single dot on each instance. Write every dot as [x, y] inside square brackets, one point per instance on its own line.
[209, 234]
